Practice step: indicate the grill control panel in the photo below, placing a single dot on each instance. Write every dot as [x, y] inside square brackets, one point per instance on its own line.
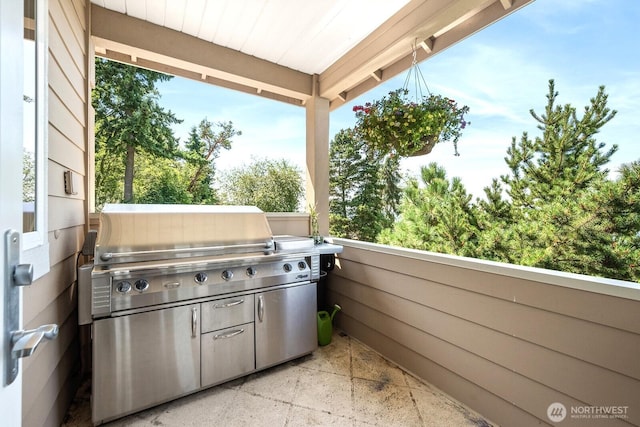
[133, 289]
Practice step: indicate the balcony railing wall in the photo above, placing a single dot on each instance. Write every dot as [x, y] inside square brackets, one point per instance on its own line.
[507, 341]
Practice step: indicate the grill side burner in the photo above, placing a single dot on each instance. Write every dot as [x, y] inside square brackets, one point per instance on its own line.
[186, 297]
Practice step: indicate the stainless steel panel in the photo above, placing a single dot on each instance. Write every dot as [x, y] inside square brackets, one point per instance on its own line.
[84, 294]
[227, 353]
[293, 243]
[285, 324]
[224, 313]
[144, 359]
[147, 232]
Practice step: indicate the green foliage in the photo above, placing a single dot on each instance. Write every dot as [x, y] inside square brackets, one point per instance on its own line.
[436, 216]
[564, 213]
[561, 213]
[201, 151]
[567, 157]
[271, 185]
[363, 188]
[161, 181]
[129, 118]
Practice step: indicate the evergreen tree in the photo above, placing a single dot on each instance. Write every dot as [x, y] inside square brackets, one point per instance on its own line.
[564, 214]
[567, 158]
[129, 118]
[435, 216]
[363, 188]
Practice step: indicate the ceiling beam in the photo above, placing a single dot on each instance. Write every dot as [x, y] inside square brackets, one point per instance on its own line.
[119, 35]
[353, 72]
[419, 19]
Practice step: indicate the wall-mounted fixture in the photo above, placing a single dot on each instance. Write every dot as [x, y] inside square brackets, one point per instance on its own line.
[69, 188]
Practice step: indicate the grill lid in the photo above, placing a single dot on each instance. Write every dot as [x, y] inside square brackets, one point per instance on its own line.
[131, 233]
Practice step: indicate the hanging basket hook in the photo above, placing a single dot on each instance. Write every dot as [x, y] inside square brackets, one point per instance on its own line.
[420, 87]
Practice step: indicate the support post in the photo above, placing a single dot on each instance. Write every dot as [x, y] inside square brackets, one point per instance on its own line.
[317, 190]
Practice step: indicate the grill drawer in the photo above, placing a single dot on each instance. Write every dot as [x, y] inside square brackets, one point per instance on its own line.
[224, 313]
[227, 354]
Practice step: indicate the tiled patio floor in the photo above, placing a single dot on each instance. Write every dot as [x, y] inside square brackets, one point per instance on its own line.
[342, 384]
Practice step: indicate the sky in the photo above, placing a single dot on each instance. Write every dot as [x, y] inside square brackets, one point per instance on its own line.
[501, 73]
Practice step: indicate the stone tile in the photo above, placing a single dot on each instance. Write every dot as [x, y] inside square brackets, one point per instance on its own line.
[203, 408]
[303, 417]
[334, 357]
[277, 383]
[369, 365]
[324, 391]
[342, 384]
[417, 383]
[436, 409]
[384, 403]
[251, 410]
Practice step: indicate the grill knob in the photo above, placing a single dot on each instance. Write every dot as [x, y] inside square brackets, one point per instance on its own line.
[251, 271]
[123, 287]
[141, 285]
[287, 267]
[227, 275]
[302, 265]
[200, 277]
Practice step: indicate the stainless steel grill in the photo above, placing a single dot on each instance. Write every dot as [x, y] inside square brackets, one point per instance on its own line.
[185, 297]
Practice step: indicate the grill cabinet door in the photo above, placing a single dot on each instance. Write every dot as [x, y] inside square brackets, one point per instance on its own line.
[285, 324]
[144, 359]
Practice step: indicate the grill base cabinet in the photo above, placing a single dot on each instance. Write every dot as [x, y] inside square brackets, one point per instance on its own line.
[144, 359]
[147, 358]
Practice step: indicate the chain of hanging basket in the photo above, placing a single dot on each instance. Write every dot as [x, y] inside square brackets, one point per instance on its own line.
[419, 81]
[418, 78]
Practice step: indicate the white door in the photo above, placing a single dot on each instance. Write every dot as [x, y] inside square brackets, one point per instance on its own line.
[11, 85]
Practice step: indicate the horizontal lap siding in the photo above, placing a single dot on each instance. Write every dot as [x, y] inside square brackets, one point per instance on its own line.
[288, 223]
[468, 325]
[51, 374]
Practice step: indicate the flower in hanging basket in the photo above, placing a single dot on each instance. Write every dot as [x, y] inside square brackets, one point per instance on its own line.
[397, 125]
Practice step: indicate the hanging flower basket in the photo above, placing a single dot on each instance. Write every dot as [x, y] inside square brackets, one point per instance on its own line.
[397, 125]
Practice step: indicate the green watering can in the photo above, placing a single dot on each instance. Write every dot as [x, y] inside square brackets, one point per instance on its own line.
[325, 328]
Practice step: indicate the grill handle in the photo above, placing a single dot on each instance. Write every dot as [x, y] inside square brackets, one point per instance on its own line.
[108, 256]
[229, 304]
[260, 307]
[194, 322]
[228, 335]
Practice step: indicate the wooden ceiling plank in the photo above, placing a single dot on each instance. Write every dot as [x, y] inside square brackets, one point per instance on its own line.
[136, 8]
[156, 11]
[194, 12]
[174, 15]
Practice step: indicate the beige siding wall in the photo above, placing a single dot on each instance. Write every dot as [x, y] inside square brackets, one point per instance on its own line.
[295, 224]
[507, 341]
[51, 374]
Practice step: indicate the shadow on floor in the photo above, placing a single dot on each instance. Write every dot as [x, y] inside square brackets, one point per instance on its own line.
[342, 384]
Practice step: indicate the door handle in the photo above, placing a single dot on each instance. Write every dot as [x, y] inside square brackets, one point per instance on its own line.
[18, 343]
[24, 343]
[260, 307]
[194, 322]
